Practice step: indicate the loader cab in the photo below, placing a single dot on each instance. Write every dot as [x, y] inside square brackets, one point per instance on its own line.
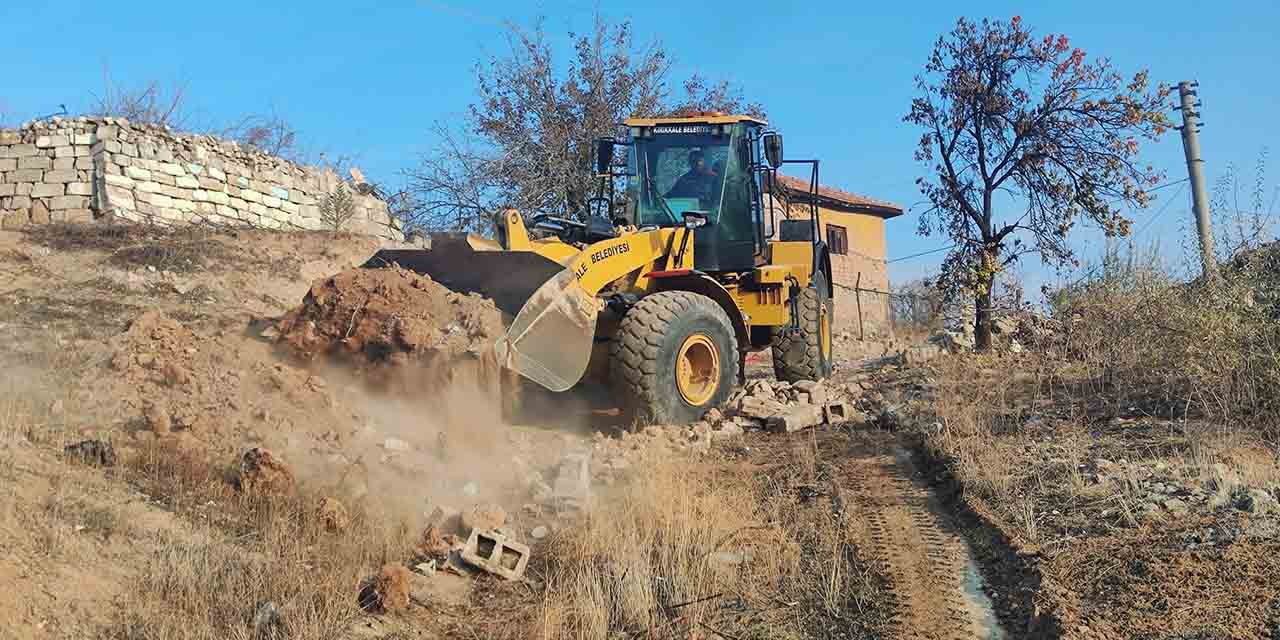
[704, 166]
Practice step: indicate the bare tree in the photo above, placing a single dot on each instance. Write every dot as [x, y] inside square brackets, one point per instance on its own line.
[1028, 128]
[702, 95]
[269, 133]
[155, 103]
[527, 141]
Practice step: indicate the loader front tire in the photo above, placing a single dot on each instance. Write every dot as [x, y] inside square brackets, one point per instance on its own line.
[805, 354]
[674, 357]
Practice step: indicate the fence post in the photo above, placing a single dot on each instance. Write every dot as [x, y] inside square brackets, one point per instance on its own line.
[857, 296]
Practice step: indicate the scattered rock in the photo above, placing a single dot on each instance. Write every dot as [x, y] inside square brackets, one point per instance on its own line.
[156, 415]
[714, 417]
[388, 591]
[396, 444]
[332, 514]
[727, 431]
[1174, 505]
[427, 568]
[263, 471]
[573, 479]
[729, 558]
[433, 543]
[483, 516]
[1257, 501]
[760, 408]
[268, 624]
[93, 452]
[807, 386]
[801, 417]
[539, 532]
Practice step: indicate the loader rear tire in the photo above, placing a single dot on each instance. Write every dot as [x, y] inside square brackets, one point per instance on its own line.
[674, 357]
[805, 354]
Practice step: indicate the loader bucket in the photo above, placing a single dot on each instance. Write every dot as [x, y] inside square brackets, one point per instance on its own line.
[551, 339]
[509, 278]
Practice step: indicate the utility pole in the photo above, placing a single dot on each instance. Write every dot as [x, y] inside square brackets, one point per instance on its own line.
[1191, 148]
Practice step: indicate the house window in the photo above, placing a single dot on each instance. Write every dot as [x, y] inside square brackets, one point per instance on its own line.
[837, 240]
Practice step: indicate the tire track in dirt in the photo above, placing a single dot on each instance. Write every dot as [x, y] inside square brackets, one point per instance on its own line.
[927, 564]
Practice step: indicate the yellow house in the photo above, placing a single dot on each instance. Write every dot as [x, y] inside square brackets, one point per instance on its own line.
[853, 227]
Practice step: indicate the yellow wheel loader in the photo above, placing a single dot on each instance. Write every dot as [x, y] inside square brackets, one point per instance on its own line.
[662, 299]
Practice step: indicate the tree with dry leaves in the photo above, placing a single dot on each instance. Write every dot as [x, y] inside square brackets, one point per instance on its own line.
[527, 140]
[1024, 137]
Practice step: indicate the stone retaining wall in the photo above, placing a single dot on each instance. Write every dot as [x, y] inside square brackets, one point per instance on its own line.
[90, 169]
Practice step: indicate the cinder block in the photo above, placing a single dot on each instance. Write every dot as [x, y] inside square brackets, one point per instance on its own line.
[835, 413]
[493, 552]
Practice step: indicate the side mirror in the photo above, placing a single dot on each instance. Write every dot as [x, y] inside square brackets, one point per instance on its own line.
[773, 149]
[604, 156]
[695, 219]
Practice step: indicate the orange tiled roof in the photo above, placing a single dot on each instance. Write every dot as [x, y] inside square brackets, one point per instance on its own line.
[881, 208]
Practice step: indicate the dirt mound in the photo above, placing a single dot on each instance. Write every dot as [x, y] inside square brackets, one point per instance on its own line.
[388, 315]
[374, 318]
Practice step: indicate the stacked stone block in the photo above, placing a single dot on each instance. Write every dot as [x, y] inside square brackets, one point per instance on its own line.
[107, 168]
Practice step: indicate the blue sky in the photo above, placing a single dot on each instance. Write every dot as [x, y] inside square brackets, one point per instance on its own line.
[367, 79]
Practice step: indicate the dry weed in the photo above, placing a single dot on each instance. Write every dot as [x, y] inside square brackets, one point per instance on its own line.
[670, 550]
[252, 550]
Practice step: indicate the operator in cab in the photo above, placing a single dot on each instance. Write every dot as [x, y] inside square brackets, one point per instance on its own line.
[699, 182]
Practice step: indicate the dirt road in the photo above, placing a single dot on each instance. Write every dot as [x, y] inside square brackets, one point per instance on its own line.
[935, 587]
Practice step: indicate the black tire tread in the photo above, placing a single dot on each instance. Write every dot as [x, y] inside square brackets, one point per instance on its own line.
[797, 355]
[635, 351]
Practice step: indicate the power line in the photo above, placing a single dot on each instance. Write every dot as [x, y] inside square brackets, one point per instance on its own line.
[952, 246]
[1153, 218]
[922, 253]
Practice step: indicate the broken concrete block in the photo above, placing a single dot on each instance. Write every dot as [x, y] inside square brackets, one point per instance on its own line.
[835, 413]
[573, 480]
[801, 417]
[806, 386]
[759, 408]
[761, 388]
[496, 554]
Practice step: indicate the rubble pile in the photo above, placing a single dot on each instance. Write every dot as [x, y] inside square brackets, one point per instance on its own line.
[783, 407]
[1010, 333]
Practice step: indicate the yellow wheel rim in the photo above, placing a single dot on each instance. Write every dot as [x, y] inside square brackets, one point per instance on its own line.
[697, 369]
[824, 332]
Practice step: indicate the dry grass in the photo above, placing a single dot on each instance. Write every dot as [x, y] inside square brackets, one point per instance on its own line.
[1207, 349]
[667, 552]
[252, 550]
